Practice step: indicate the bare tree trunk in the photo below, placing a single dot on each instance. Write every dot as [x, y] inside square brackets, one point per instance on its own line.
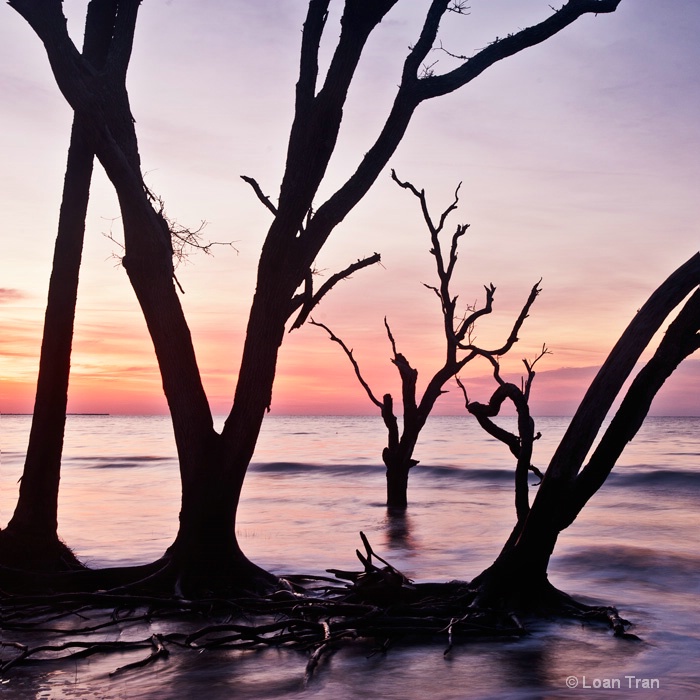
[31, 537]
[519, 574]
[398, 464]
[34, 523]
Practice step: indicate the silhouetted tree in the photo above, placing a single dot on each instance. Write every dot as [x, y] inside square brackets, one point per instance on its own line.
[31, 536]
[520, 445]
[459, 350]
[206, 554]
[518, 576]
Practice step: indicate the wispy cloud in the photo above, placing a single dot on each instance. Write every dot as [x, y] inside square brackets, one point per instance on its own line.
[7, 295]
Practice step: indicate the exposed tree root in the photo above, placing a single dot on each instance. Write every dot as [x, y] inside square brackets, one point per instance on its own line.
[313, 615]
[164, 577]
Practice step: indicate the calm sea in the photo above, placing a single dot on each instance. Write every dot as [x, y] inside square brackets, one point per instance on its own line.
[317, 481]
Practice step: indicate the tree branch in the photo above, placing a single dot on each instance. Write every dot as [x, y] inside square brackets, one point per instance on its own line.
[259, 193]
[529, 366]
[100, 17]
[426, 40]
[46, 18]
[513, 337]
[502, 48]
[317, 118]
[310, 42]
[468, 323]
[412, 91]
[484, 412]
[409, 377]
[520, 445]
[353, 362]
[308, 301]
[123, 39]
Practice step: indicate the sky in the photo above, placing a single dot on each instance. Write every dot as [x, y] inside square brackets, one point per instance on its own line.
[579, 163]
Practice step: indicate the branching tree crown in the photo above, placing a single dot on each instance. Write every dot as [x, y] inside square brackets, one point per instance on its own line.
[460, 349]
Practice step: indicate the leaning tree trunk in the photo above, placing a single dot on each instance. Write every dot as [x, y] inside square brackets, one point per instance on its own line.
[33, 527]
[31, 537]
[519, 574]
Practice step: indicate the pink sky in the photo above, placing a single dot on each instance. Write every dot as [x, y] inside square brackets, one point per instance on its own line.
[579, 163]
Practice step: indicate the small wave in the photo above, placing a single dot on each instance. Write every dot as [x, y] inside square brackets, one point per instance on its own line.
[126, 464]
[641, 562]
[433, 472]
[304, 467]
[466, 473]
[128, 458]
[681, 479]
[282, 467]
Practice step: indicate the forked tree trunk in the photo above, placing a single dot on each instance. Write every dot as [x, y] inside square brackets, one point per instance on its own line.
[519, 574]
[206, 548]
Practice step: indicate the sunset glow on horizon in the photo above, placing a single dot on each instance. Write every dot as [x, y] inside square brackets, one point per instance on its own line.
[578, 161]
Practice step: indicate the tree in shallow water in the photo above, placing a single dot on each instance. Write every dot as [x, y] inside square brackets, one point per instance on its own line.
[31, 537]
[205, 554]
[518, 576]
[460, 349]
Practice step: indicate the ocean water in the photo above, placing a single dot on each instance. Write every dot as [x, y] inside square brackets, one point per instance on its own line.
[315, 482]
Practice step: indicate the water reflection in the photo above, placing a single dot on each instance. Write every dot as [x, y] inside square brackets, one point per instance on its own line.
[398, 530]
[632, 546]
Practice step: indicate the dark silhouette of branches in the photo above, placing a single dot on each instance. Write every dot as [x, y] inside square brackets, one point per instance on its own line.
[348, 352]
[520, 445]
[458, 331]
[308, 299]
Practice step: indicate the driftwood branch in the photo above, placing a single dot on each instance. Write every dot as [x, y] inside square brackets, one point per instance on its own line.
[378, 604]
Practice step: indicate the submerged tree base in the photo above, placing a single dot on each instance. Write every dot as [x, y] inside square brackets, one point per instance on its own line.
[310, 614]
